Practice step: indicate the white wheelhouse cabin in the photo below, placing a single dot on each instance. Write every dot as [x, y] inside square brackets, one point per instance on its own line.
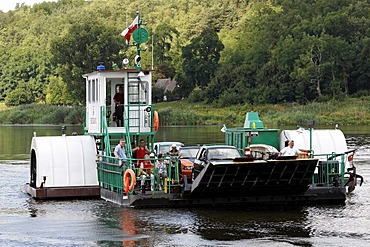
[101, 86]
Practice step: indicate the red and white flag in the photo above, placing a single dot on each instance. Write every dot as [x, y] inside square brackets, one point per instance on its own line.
[130, 29]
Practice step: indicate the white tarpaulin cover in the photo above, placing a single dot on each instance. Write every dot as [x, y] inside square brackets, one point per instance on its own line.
[64, 160]
[323, 141]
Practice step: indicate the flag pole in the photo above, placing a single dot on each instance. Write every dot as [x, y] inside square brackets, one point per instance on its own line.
[152, 52]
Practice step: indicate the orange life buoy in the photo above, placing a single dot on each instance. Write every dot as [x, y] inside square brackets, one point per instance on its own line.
[156, 121]
[129, 180]
[350, 157]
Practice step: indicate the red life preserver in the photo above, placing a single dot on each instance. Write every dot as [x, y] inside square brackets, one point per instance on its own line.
[156, 121]
[350, 157]
[128, 176]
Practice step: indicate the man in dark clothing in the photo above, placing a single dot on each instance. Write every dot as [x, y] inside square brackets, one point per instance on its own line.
[119, 100]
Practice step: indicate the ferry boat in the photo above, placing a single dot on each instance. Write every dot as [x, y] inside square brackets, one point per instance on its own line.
[85, 166]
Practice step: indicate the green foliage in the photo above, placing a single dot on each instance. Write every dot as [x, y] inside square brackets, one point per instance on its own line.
[165, 34]
[350, 111]
[157, 94]
[165, 115]
[24, 63]
[201, 58]
[81, 50]
[21, 95]
[57, 92]
[75, 115]
[42, 114]
[197, 95]
[238, 52]
[168, 116]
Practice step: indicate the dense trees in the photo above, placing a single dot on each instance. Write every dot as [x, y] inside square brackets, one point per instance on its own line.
[81, 50]
[164, 37]
[224, 52]
[298, 52]
[200, 58]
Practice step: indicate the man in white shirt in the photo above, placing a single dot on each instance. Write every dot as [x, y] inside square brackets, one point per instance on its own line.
[119, 150]
[290, 150]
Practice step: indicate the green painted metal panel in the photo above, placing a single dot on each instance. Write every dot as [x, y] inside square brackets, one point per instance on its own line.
[252, 121]
[242, 137]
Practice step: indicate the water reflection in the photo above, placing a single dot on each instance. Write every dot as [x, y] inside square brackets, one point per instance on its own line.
[31, 207]
[100, 223]
[15, 141]
[127, 225]
[194, 227]
[277, 223]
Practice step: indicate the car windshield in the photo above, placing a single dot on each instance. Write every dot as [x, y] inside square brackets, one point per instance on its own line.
[223, 153]
[187, 153]
[164, 148]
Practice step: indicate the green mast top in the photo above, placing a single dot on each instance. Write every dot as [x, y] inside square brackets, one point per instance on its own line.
[140, 36]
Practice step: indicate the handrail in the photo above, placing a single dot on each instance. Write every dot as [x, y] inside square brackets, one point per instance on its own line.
[112, 169]
[329, 169]
[104, 130]
[127, 134]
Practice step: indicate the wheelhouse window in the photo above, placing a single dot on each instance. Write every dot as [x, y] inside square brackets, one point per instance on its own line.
[138, 92]
[96, 90]
[93, 90]
[89, 91]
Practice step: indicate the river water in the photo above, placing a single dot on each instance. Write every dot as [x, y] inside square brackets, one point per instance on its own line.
[26, 222]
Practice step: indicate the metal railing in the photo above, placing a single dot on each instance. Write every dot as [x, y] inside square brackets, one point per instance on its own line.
[330, 170]
[111, 174]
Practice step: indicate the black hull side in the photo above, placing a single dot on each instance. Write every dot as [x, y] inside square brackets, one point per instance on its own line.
[254, 178]
[313, 196]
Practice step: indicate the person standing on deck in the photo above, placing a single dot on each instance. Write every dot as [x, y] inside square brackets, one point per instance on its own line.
[145, 172]
[161, 167]
[290, 150]
[119, 150]
[141, 151]
[175, 155]
[119, 101]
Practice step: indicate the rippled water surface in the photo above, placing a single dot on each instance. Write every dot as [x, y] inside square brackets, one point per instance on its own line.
[26, 222]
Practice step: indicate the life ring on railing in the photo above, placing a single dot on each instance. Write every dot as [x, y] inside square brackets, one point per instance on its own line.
[350, 157]
[156, 121]
[129, 180]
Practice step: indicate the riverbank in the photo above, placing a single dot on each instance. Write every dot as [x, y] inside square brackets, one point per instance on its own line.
[41, 114]
[350, 111]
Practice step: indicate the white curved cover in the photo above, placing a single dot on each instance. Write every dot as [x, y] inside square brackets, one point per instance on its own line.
[65, 160]
[323, 141]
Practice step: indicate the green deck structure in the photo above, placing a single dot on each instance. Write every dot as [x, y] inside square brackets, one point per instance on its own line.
[253, 132]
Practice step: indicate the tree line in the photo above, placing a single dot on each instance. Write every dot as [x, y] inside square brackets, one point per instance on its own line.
[221, 52]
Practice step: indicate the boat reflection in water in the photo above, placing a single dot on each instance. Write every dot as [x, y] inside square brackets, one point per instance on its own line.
[127, 224]
[180, 227]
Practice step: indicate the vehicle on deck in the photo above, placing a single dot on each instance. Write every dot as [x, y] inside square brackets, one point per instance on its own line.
[187, 158]
[261, 151]
[208, 154]
[164, 147]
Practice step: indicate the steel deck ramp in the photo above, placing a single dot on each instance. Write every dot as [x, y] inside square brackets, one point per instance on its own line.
[254, 178]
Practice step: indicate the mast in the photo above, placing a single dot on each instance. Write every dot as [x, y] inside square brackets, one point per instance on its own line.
[140, 36]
